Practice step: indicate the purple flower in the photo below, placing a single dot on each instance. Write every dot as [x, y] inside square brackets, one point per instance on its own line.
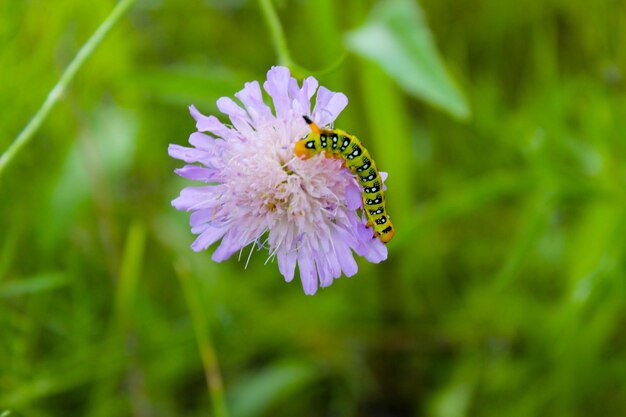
[258, 192]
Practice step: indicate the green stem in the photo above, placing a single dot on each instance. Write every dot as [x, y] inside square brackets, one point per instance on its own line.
[205, 341]
[117, 345]
[280, 45]
[68, 75]
[276, 29]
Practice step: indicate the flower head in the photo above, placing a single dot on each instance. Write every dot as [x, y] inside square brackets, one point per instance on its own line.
[258, 192]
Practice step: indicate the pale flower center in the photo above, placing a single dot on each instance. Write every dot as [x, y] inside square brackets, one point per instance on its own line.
[266, 178]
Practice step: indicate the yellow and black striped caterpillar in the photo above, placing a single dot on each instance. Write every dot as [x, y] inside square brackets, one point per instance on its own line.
[340, 144]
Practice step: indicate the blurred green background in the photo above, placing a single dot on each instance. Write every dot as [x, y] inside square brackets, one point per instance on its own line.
[503, 128]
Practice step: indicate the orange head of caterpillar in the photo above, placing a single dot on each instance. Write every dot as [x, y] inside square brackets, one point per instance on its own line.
[307, 146]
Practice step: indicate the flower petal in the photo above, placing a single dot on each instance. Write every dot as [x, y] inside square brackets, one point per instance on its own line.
[342, 235]
[229, 245]
[301, 97]
[210, 124]
[277, 86]
[202, 217]
[194, 198]
[238, 116]
[383, 177]
[196, 173]
[346, 258]
[370, 248]
[309, 87]
[323, 269]
[252, 99]
[328, 106]
[208, 237]
[376, 252]
[187, 154]
[202, 141]
[354, 198]
[287, 263]
[308, 274]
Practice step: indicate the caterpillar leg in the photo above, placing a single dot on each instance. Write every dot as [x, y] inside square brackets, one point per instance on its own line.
[328, 154]
[385, 236]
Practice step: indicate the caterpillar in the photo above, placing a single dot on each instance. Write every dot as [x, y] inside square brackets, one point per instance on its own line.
[340, 144]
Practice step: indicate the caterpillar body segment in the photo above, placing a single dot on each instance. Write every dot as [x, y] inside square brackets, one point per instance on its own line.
[336, 143]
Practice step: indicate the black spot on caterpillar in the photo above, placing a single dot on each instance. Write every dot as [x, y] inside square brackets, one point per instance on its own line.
[357, 159]
[373, 189]
[377, 200]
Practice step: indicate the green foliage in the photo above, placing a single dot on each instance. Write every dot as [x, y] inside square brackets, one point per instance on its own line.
[270, 387]
[504, 291]
[397, 39]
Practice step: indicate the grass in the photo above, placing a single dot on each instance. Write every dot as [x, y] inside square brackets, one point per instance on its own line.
[504, 291]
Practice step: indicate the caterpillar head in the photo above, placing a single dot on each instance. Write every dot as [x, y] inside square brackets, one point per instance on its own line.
[309, 145]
